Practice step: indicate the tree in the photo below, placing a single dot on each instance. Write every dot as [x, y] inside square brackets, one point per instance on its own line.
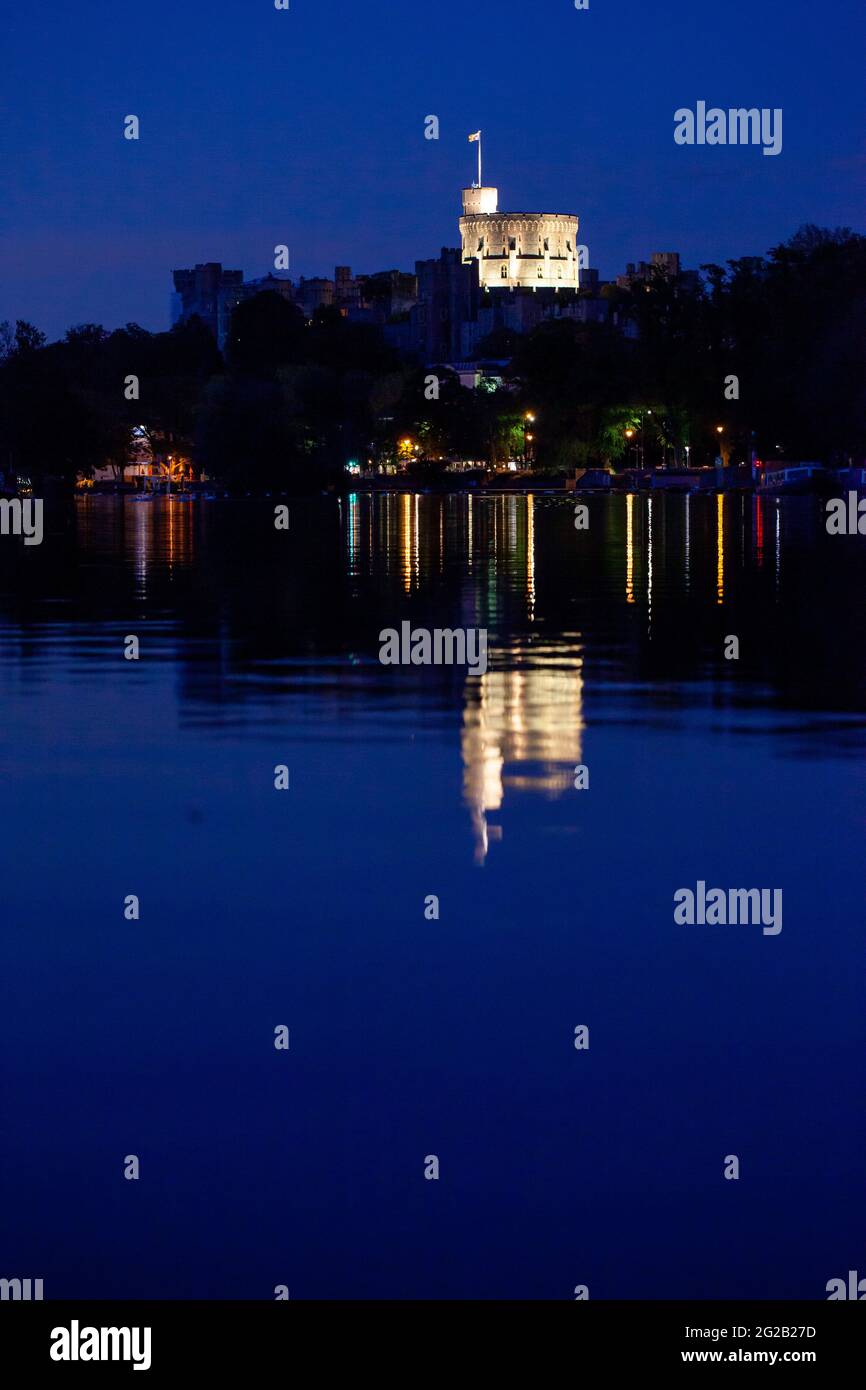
[266, 332]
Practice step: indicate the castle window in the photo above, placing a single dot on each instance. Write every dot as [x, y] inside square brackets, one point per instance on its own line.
[546, 244]
[505, 272]
[540, 273]
[481, 243]
[568, 245]
[512, 243]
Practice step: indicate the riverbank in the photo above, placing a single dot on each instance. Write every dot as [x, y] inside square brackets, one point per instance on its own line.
[782, 478]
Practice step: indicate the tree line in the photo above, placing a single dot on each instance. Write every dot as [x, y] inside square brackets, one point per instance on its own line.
[769, 349]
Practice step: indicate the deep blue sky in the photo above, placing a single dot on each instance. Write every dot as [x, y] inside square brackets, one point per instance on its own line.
[306, 127]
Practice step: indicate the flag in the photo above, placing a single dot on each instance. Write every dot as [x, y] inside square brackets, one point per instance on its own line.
[476, 136]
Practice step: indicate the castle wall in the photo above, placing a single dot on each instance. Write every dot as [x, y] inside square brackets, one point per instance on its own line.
[529, 250]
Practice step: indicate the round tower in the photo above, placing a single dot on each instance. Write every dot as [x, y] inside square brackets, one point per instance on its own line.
[518, 250]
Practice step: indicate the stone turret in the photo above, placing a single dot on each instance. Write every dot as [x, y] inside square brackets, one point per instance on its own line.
[518, 250]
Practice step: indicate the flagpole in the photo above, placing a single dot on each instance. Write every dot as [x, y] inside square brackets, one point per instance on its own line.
[479, 159]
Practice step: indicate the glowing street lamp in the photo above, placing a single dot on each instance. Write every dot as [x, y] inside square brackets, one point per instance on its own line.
[528, 419]
[629, 434]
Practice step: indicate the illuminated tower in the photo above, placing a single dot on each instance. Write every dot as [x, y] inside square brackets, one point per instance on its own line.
[518, 250]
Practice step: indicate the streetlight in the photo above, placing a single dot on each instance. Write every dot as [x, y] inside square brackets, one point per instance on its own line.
[528, 419]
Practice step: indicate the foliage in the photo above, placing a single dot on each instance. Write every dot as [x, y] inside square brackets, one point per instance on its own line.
[293, 401]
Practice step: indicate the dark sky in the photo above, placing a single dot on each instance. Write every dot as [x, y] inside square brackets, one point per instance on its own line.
[306, 127]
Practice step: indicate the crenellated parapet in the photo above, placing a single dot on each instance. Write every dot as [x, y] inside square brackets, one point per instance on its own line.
[527, 250]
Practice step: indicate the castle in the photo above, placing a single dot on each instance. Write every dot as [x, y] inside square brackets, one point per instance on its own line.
[518, 250]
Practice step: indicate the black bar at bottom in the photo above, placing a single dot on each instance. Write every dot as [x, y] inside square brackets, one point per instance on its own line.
[418, 1340]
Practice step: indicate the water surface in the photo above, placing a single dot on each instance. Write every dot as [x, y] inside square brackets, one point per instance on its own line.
[412, 1037]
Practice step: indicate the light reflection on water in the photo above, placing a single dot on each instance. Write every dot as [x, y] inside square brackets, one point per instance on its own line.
[221, 599]
[261, 648]
[522, 731]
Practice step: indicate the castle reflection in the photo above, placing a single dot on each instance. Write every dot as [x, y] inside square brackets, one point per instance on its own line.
[271, 627]
[522, 720]
[522, 730]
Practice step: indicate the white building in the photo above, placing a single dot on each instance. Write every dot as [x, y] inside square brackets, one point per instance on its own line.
[525, 250]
